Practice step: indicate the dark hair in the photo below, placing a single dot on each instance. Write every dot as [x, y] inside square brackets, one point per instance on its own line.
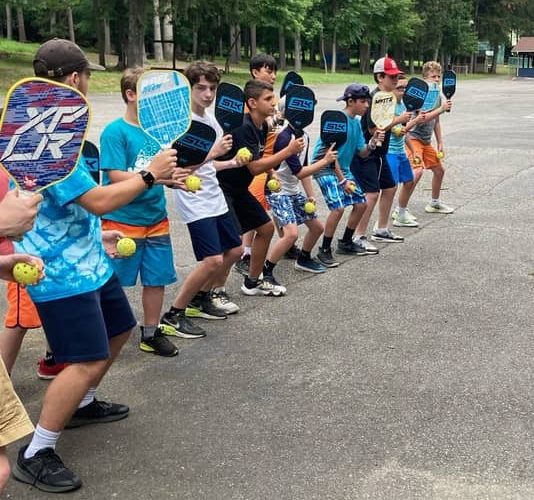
[208, 70]
[255, 88]
[262, 61]
[376, 75]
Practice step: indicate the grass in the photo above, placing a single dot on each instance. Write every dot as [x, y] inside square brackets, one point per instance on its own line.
[16, 63]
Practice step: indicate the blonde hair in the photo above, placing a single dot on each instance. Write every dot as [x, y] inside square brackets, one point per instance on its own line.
[431, 66]
[129, 81]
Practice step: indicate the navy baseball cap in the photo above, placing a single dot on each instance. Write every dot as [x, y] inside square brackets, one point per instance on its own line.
[355, 91]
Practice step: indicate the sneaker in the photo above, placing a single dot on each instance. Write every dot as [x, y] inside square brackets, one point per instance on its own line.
[184, 327]
[242, 266]
[395, 214]
[221, 301]
[292, 253]
[47, 368]
[158, 344]
[201, 306]
[46, 471]
[438, 208]
[405, 221]
[269, 278]
[324, 255]
[387, 236]
[262, 287]
[364, 243]
[350, 248]
[97, 412]
[309, 265]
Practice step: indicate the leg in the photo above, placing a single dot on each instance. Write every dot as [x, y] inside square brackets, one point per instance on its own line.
[384, 206]
[4, 469]
[283, 244]
[152, 304]
[260, 247]
[315, 229]
[10, 343]
[363, 225]
[437, 179]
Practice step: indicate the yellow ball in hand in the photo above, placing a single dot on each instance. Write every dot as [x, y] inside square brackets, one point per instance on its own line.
[25, 274]
[244, 155]
[440, 155]
[126, 247]
[274, 186]
[193, 183]
[310, 207]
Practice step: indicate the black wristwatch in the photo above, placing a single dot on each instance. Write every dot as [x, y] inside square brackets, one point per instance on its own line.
[147, 177]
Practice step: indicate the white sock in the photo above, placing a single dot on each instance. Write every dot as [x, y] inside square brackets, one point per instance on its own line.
[88, 398]
[435, 201]
[247, 251]
[41, 439]
[218, 289]
[402, 211]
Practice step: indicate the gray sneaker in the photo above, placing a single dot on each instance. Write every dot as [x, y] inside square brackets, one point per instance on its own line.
[324, 255]
[364, 243]
[350, 248]
[387, 236]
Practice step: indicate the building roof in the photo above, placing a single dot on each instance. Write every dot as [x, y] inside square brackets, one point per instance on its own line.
[524, 45]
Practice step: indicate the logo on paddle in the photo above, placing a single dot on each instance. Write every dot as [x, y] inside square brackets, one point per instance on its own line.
[300, 104]
[334, 127]
[229, 104]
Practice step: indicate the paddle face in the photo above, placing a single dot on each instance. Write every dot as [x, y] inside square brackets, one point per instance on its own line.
[334, 125]
[432, 97]
[92, 159]
[229, 106]
[164, 105]
[300, 107]
[195, 144]
[42, 130]
[448, 83]
[291, 78]
[415, 94]
[383, 108]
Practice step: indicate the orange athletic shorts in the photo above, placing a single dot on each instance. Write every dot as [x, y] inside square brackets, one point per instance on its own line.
[257, 189]
[21, 311]
[426, 152]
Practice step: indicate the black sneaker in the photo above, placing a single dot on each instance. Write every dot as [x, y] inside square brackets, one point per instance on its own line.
[292, 253]
[387, 236]
[350, 248]
[46, 471]
[184, 327]
[325, 257]
[158, 344]
[242, 265]
[97, 412]
[201, 306]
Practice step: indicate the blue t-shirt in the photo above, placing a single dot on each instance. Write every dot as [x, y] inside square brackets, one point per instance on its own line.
[126, 147]
[69, 240]
[396, 143]
[354, 143]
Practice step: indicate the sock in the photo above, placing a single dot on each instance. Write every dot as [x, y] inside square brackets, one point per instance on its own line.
[174, 310]
[201, 294]
[327, 242]
[305, 255]
[246, 251]
[88, 398]
[268, 267]
[402, 211]
[219, 289]
[41, 439]
[250, 282]
[381, 230]
[347, 235]
[435, 201]
[359, 236]
[148, 331]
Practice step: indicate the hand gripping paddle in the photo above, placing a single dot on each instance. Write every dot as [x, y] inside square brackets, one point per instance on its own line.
[383, 110]
[42, 130]
[229, 106]
[291, 78]
[415, 94]
[448, 84]
[195, 144]
[300, 107]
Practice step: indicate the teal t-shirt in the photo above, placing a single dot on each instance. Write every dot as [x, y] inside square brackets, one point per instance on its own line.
[69, 240]
[124, 146]
[396, 144]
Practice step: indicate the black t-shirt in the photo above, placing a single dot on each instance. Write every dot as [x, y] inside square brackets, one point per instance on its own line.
[247, 135]
[367, 123]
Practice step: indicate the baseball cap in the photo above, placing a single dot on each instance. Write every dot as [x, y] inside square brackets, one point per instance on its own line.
[59, 57]
[388, 66]
[355, 91]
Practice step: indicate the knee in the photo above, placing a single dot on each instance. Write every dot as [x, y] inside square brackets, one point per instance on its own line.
[439, 171]
[235, 254]
[4, 470]
[213, 262]
[337, 212]
[266, 231]
[290, 234]
[316, 228]
[88, 370]
[371, 198]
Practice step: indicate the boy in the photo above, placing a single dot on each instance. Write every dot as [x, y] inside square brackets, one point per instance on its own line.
[373, 173]
[126, 150]
[259, 97]
[287, 205]
[84, 311]
[338, 188]
[421, 139]
[214, 234]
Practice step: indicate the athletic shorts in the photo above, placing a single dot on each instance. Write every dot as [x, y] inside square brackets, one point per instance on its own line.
[246, 210]
[257, 189]
[372, 174]
[153, 259]
[214, 235]
[400, 167]
[78, 328]
[14, 421]
[289, 209]
[426, 152]
[21, 311]
[335, 196]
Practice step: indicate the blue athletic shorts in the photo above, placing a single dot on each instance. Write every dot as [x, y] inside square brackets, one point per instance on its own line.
[400, 167]
[289, 209]
[78, 328]
[214, 235]
[334, 195]
[372, 174]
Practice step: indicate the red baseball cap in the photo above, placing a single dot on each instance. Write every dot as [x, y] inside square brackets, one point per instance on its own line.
[388, 66]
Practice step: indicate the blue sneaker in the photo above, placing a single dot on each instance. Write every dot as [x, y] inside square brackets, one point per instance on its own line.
[309, 265]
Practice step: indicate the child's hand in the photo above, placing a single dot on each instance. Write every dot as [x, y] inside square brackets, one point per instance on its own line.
[331, 155]
[7, 262]
[296, 146]
[379, 135]
[221, 147]
[404, 118]
[447, 105]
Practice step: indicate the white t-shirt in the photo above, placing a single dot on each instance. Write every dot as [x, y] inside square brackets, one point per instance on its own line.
[208, 201]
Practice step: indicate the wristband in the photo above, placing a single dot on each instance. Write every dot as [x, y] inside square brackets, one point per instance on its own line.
[371, 145]
[343, 182]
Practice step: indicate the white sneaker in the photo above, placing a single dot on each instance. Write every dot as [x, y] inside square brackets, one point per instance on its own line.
[265, 288]
[221, 300]
[409, 214]
[439, 208]
[364, 242]
[405, 221]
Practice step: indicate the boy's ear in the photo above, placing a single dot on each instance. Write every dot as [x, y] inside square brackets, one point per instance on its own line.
[251, 103]
[131, 95]
[254, 73]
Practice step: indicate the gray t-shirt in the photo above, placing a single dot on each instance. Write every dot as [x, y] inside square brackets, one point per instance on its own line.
[423, 131]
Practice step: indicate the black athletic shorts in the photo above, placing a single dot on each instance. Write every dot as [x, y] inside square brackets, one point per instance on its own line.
[372, 174]
[246, 209]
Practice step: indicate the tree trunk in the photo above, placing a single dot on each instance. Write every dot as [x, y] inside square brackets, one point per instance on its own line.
[100, 32]
[70, 21]
[107, 37]
[282, 48]
[136, 33]
[384, 45]
[20, 25]
[411, 64]
[235, 45]
[9, 22]
[238, 43]
[194, 51]
[334, 51]
[438, 46]
[493, 67]
[298, 52]
[53, 22]
[168, 36]
[253, 44]
[158, 46]
[219, 25]
[323, 53]
[365, 63]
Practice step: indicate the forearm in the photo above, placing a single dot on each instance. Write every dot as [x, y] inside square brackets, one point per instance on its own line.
[311, 169]
[437, 132]
[308, 186]
[268, 163]
[225, 164]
